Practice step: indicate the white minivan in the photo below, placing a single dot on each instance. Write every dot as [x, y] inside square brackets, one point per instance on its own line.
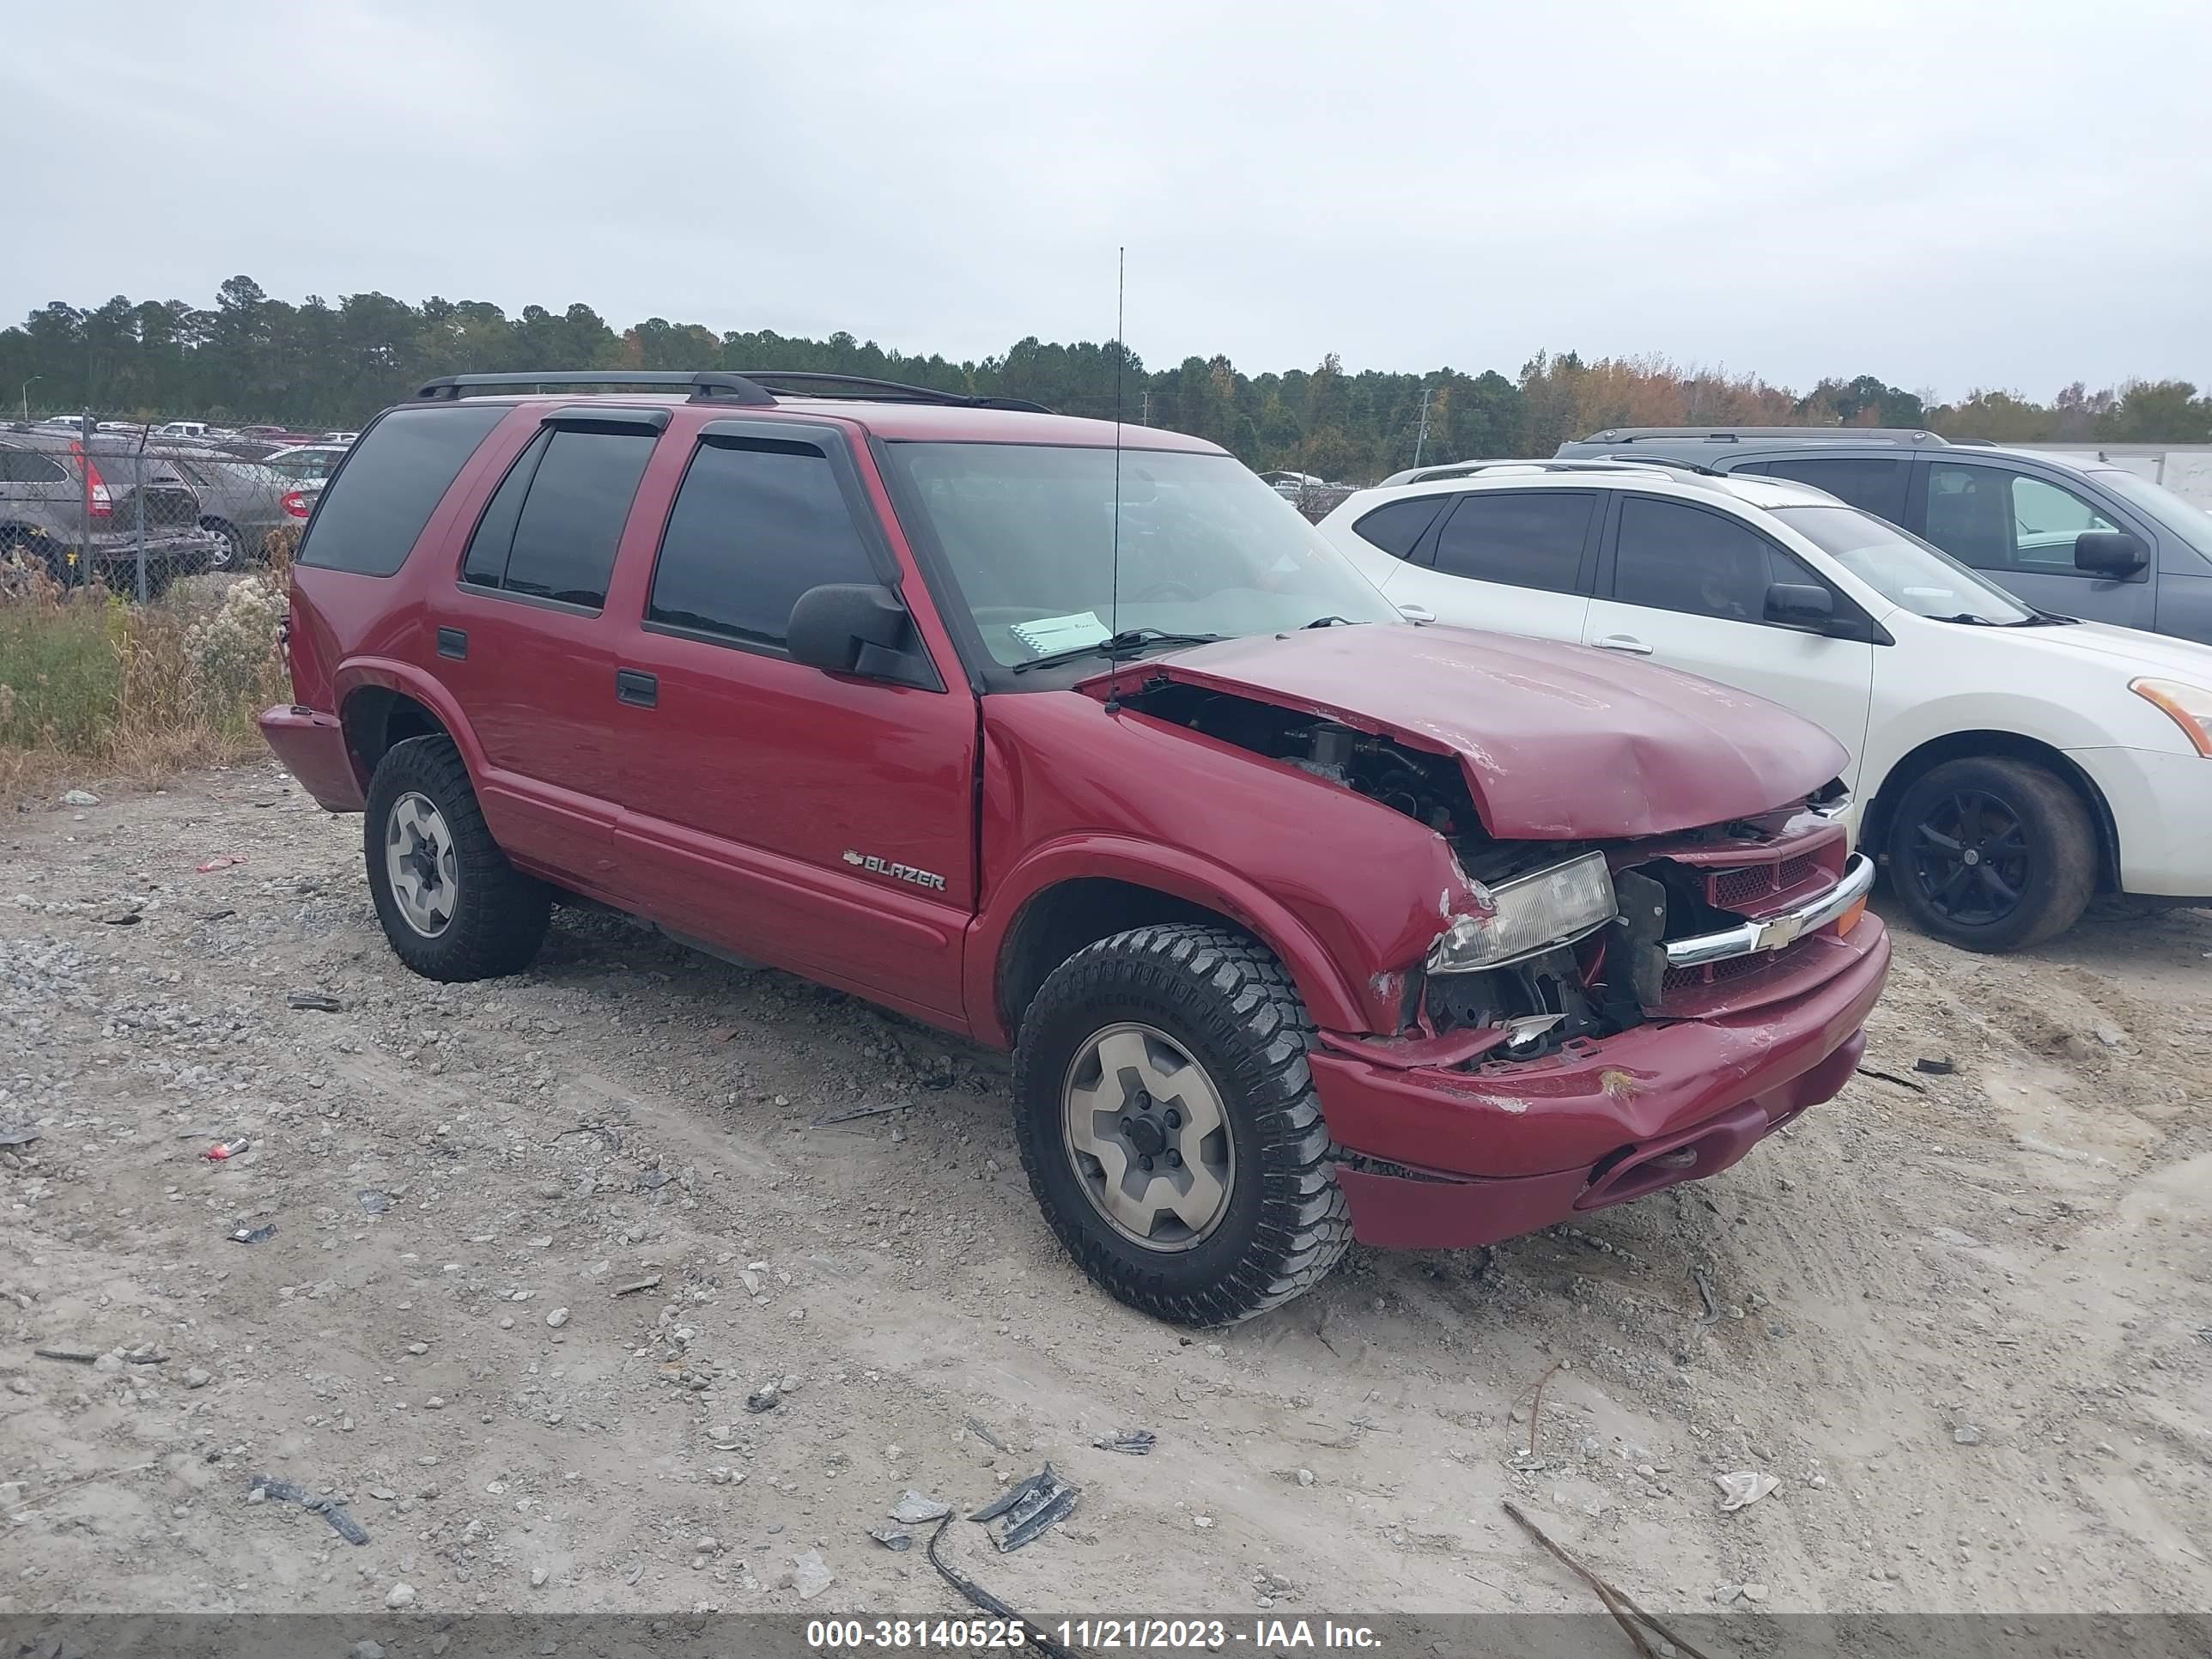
[2007, 763]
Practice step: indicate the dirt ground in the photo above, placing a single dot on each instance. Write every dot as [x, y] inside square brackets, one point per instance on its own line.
[1964, 1322]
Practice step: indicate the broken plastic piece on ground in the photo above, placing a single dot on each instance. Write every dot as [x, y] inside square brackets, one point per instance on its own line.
[23, 1137]
[1743, 1487]
[983, 1433]
[372, 1201]
[75, 1356]
[316, 1001]
[1935, 1067]
[1134, 1441]
[765, 1398]
[227, 861]
[1892, 1076]
[914, 1508]
[289, 1492]
[254, 1235]
[895, 1538]
[230, 1146]
[1028, 1507]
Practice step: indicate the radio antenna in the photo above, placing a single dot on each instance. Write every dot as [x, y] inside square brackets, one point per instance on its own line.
[1113, 581]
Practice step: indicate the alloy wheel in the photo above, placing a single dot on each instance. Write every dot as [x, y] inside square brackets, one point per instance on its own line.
[420, 862]
[1968, 855]
[1143, 1127]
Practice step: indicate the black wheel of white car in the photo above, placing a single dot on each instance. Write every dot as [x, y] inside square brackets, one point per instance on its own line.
[452, 905]
[1990, 853]
[1168, 1122]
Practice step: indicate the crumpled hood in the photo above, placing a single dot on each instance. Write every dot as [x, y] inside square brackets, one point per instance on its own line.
[1559, 742]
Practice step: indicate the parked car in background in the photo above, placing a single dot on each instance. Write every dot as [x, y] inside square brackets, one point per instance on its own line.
[302, 461]
[135, 501]
[185, 429]
[241, 503]
[340, 437]
[1302, 925]
[2006, 762]
[2084, 539]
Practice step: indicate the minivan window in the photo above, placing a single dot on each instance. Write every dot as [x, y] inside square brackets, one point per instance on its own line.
[21, 466]
[1876, 483]
[1396, 526]
[368, 517]
[1673, 556]
[1995, 519]
[1531, 538]
[755, 525]
[573, 514]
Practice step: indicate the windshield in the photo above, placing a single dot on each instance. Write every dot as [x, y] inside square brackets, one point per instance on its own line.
[2185, 518]
[1205, 547]
[1902, 568]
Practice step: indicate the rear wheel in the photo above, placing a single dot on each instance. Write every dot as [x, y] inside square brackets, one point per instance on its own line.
[1169, 1127]
[1991, 854]
[229, 551]
[452, 905]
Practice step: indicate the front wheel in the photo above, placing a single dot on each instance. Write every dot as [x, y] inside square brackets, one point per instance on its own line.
[229, 552]
[451, 904]
[1991, 854]
[1169, 1124]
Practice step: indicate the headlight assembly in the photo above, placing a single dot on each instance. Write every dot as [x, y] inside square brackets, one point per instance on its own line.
[1533, 914]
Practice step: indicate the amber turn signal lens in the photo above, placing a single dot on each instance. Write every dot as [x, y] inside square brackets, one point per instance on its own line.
[1850, 919]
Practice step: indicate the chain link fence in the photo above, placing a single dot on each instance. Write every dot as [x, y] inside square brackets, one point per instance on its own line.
[135, 508]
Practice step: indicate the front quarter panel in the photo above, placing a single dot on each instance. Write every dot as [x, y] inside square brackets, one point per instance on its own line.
[1346, 891]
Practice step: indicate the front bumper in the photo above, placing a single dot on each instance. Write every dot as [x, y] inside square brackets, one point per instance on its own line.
[1445, 1157]
[2161, 804]
[311, 746]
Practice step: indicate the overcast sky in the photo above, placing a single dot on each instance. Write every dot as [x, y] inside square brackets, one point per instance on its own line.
[1948, 197]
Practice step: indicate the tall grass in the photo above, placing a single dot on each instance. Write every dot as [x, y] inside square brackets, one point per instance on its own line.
[92, 686]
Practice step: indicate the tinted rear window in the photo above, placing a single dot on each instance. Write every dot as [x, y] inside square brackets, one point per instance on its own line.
[1875, 484]
[1532, 539]
[369, 517]
[572, 517]
[1394, 526]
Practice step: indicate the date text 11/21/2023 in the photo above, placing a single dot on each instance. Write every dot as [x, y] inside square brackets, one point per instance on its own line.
[1125, 1634]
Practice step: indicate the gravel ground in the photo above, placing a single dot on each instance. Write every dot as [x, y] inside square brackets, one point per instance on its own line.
[536, 1243]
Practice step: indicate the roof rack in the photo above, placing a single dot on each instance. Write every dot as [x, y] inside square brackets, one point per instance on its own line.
[1470, 468]
[1736, 434]
[751, 388]
[1664, 465]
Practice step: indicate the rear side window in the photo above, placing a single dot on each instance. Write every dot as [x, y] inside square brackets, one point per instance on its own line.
[1396, 526]
[1875, 484]
[1672, 557]
[369, 517]
[755, 525]
[552, 526]
[22, 467]
[1532, 538]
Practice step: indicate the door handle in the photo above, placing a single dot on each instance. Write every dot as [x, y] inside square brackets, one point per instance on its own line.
[1632, 647]
[637, 689]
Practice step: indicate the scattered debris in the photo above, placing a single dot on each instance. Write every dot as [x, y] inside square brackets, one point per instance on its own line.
[216, 915]
[1028, 1508]
[372, 1201]
[811, 1575]
[1537, 1407]
[991, 1604]
[654, 1180]
[1623, 1610]
[229, 1147]
[1714, 1313]
[1935, 1067]
[897, 1539]
[984, 1435]
[80, 798]
[1892, 1076]
[288, 1491]
[75, 1356]
[224, 861]
[851, 1114]
[652, 1282]
[130, 918]
[912, 1509]
[1134, 1443]
[1742, 1487]
[765, 1398]
[317, 1002]
[261, 1234]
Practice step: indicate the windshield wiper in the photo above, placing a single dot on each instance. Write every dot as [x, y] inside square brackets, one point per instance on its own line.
[1127, 642]
[1330, 622]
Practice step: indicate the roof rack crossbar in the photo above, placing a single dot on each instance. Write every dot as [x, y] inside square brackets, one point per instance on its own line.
[751, 387]
[1734, 434]
[707, 387]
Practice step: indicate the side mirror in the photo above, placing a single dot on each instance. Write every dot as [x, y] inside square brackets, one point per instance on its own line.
[1800, 604]
[838, 627]
[2109, 553]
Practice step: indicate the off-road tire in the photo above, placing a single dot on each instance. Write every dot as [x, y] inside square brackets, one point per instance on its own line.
[500, 915]
[1228, 1002]
[2060, 852]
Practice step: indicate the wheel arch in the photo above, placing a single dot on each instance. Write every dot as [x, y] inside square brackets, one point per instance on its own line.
[378, 712]
[1910, 768]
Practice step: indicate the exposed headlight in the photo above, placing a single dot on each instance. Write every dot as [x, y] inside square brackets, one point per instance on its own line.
[2189, 707]
[1534, 913]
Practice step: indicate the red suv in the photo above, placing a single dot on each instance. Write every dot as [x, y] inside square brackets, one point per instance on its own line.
[1304, 922]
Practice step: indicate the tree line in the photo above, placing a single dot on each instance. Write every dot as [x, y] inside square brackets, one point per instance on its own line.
[252, 358]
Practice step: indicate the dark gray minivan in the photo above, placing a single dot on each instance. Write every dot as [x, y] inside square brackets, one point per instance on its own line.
[2090, 541]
